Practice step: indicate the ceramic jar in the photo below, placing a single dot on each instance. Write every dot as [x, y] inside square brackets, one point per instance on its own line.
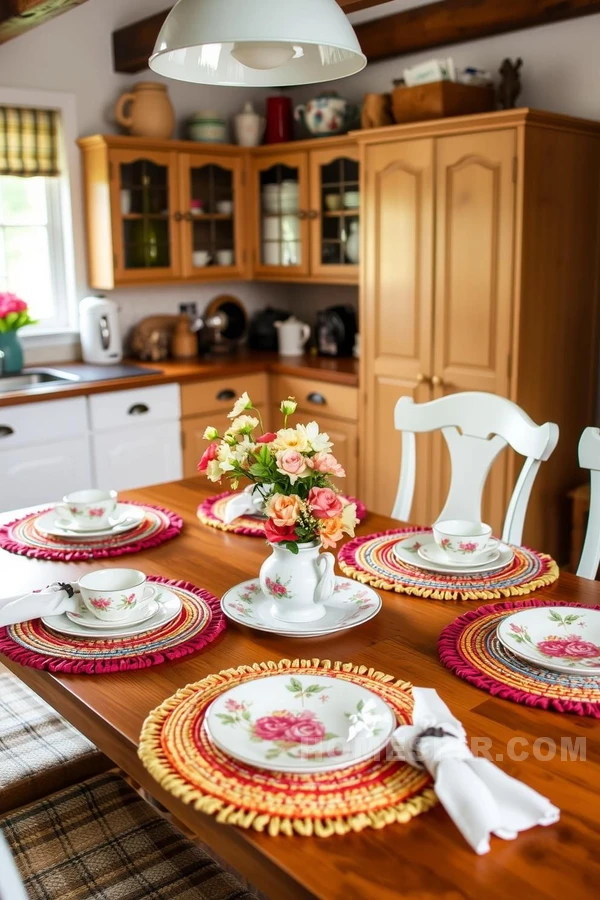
[150, 111]
[249, 127]
[207, 128]
[299, 584]
[12, 353]
[353, 244]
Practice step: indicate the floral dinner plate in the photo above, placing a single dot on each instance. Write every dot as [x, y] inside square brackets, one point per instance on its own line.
[560, 638]
[84, 617]
[300, 723]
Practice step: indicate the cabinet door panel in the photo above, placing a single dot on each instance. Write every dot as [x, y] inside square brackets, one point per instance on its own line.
[334, 217]
[138, 457]
[396, 310]
[280, 204]
[44, 473]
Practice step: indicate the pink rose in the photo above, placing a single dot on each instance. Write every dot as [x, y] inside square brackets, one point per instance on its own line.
[209, 454]
[328, 464]
[324, 503]
[467, 546]
[266, 438]
[96, 511]
[276, 534]
[101, 603]
[306, 729]
[273, 728]
[568, 647]
[233, 705]
[291, 463]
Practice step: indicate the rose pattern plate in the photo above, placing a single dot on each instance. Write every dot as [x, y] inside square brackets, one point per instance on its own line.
[351, 604]
[300, 723]
[560, 638]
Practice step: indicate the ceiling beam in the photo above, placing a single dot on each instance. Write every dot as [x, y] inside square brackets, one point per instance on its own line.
[19, 16]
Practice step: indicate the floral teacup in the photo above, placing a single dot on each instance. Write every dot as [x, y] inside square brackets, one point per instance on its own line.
[460, 539]
[88, 510]
[115, 595]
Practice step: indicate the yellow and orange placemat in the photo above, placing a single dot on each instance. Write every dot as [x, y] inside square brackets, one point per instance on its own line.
[175, 749]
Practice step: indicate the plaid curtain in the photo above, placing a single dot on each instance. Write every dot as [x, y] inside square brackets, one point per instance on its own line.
[28, 141]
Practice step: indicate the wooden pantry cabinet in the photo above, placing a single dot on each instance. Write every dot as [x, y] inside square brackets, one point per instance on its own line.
[163, 211]
[480, 247]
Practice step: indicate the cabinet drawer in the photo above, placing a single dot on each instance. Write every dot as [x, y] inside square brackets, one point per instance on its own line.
[138, 457]
[44, 473]
[140, 405]
[221, 393]
[314, 397]
[39, 423]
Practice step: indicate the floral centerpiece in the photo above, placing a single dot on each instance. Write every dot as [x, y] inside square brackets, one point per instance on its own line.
[14, 314]
[290, 471]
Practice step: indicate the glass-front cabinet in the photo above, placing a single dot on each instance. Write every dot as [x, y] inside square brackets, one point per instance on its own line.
[335, 196]
[281, 215]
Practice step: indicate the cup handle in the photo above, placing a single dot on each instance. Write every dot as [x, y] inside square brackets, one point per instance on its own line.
[492, 544]
[152, 589]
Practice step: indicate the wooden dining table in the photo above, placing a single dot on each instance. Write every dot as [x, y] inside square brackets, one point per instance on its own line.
[427, 857]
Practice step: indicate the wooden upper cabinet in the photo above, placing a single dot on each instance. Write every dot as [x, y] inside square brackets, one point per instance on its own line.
[334, 213]
[397, 298]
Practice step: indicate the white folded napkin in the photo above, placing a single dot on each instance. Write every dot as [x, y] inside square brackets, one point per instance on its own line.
[244, 504]
[51, 601]
[479, 797]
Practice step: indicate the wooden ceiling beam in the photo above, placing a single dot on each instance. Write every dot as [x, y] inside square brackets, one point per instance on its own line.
[19, 16]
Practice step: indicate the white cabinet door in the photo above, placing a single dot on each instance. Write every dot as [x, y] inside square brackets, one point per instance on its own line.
[44, 473]
[137, 457]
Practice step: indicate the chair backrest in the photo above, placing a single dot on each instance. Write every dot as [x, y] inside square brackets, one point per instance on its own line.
[476, 426]
[589, 458]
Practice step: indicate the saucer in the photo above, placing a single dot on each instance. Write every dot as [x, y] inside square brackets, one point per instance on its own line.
[127, 518]
[433, 553]
[89, 620]
[560, 638]
[408, 552]
[169, 606]
[299, 723]
[351, 604]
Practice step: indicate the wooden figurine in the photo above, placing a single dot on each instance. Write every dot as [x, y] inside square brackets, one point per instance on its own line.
[376, 111]
[510, 86]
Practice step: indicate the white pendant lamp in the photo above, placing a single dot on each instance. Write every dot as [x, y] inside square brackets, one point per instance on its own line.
[257, 43]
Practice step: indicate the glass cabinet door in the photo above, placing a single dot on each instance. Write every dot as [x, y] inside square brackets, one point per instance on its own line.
[334, 213]
[145, 238]
[211, 215]
[281, 201]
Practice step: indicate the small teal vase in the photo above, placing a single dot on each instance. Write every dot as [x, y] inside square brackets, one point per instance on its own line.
[13, 353]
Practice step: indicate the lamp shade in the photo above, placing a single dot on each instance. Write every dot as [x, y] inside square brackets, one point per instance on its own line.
[257, 43]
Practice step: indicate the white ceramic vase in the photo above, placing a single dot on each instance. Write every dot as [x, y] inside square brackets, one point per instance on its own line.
[299, 584]
[353, 244]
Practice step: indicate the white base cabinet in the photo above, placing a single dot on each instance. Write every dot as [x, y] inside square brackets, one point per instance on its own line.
[138, 457]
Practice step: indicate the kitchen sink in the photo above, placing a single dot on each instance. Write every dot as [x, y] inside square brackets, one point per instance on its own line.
[35, 380]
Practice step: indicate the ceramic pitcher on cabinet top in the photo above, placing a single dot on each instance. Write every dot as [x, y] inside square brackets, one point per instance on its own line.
[298, 583]
[151, 113]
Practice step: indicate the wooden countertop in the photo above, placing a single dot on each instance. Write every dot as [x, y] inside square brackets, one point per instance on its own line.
[333, 370]
[422, 859]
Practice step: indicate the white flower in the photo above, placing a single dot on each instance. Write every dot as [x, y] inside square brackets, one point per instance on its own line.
[314, 438]
[364, 720]
[241, 450]
[226, 458]
[291, 439]
[349, 519]
[242, 425]
[288, 407]
[211, 433]
[213, 470]
[243, 403]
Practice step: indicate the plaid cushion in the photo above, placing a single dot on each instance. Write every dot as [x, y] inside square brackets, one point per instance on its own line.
[39, 752]
[101, 840]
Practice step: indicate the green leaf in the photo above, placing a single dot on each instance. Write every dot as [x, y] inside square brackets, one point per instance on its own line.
[360, 705]
[292, 547]
[296, 685]
[273, 753]
[571, 618]
[246, 715]
[226, 719]
[314, 689]
[329, 735]
[554, 616]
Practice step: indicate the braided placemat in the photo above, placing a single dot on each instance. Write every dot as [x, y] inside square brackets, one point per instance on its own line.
[33, 644]
[212, 512]
[372, 560]
[175, 749]
[470, 648]
[157, 526]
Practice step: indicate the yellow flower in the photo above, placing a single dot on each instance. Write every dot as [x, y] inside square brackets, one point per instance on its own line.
[213, 470]
[291, 439]
[211, 433]
[349, 519]
[240, 405]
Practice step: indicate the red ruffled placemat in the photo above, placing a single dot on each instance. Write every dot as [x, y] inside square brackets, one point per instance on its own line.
[211, 512]
[372, 560]
[157, 526]
[199, 622]
[470, 648]
[176, 751]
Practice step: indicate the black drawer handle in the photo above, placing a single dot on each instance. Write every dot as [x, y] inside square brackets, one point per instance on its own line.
[226, 394]
[317, 398]
[6, 431]
[138, 409]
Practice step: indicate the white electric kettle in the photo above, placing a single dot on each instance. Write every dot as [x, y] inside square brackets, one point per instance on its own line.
[292, 335]
[101, 342]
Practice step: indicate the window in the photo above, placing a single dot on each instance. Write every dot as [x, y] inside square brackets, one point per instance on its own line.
[32, 253]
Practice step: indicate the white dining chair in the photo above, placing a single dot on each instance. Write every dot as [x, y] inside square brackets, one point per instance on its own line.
[589, 458]
[477, 426]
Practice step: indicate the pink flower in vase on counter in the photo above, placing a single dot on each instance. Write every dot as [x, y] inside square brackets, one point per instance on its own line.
[14, 312]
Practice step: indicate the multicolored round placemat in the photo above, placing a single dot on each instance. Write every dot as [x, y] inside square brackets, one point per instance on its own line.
[470, 648]
[212, 512]
[372, 560]
[199, 622]
[175, 749]
[157, 526]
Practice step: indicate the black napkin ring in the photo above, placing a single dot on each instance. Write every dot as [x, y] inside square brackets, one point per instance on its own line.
[65, 586]
[432, 731]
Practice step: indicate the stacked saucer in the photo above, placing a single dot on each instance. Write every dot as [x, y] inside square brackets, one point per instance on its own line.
[55, 523]
[456, 546]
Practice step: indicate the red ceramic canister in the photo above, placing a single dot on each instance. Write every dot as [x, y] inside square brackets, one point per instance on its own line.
[279, 120]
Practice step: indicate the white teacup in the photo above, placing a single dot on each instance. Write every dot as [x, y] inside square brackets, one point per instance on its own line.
[115, 595]
[89, 510]
[201, 258]
[461, 539]
[225, 257]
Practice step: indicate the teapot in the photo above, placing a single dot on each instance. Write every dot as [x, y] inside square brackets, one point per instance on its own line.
[292, 336]
[327, 114]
